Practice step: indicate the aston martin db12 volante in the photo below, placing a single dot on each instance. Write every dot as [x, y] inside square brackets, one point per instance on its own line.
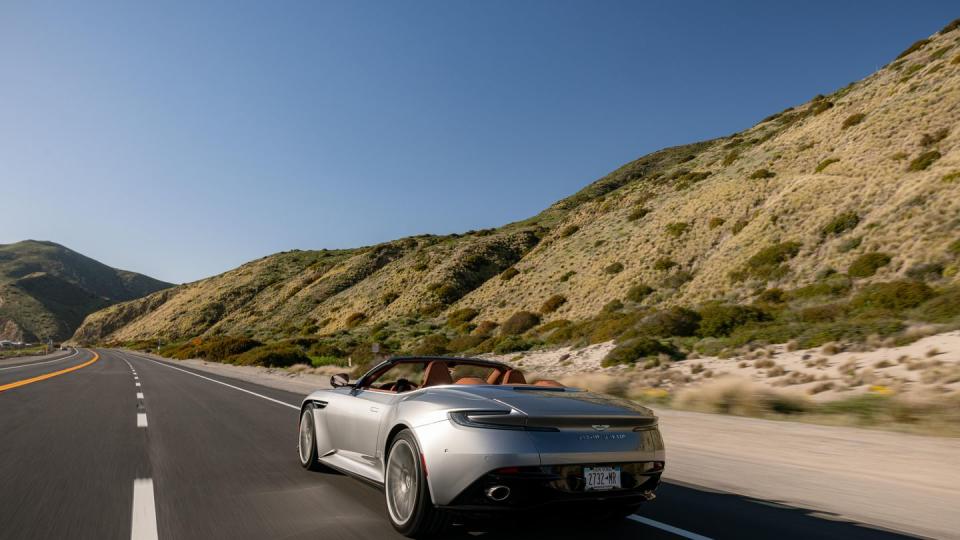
[461, 437]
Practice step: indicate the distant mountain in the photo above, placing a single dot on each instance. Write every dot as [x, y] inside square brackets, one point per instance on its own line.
[862, 184]
[46, 290]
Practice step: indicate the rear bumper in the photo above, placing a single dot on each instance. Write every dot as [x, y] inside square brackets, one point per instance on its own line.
[547, 488]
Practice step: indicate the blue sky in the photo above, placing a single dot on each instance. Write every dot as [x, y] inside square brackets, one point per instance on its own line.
[183, 139]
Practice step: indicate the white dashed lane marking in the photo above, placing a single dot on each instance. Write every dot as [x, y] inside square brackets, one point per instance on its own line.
[139, 395]
[144, 522]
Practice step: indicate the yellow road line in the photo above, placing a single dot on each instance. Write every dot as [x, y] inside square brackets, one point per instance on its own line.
[45, 376]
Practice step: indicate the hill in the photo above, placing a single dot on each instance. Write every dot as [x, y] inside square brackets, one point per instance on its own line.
[46, 290]
[770, 234]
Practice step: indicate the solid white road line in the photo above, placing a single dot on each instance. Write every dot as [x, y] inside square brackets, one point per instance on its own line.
[277, 401]
[139, 395]
[669, 528]
[138, 385]
[75, 352]
[144, 523]
[141, 419]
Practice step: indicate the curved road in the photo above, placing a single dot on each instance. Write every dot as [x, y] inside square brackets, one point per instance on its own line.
[110, 444]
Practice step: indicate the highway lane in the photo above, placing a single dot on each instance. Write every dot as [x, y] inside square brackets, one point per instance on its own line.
[221, 463]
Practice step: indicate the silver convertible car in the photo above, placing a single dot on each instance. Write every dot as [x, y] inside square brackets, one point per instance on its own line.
[458, 438]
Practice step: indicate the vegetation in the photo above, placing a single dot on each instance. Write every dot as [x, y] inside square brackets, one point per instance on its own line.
[461, 316]
[569, 230]
[924, 160]
[768, 263]
[663, 264]
[762, 173]
[717, 320]
[716, 222]
[553, 303]
[929, 139]
[867, 264]
[613, 268]
[892, 295]
[825, 163]
[509, 274]
[639, 292]
[853, 120]
[840, 224]
[677, 279]
[633, 350]
[677, 229]
[916, 46]
[519, 323]
[637, 213]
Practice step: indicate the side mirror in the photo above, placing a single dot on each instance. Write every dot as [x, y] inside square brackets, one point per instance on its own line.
[340, 379]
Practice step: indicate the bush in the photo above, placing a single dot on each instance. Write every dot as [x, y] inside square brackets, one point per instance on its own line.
[925, 271]
[614, 268]
[841, 224]
[850, 244]
[739, 225]
[461, 316]
[566, 276]
[716, 222]
[760, 174]
[215, 348]
[519, 323]
[718, 320]
[675, 321]
[663, 264]
[768, 262]
[893, 295]
[553, 303]
[638, 213]
[677, 229]
[432, 345]
[853, 120]
[820, 106]
[273, 355]
[731, 156]
[389, 298]
[639, 292]
[512, 344]
[354, 319]
[463, 343]
[822, 313]
[612, 306]
[954, 247]
[485, 328]
[952, 176]
[509, 274]
[923, 161]
[677, 279]
[929, 139]
[917, 45]
[635, 349]
[953, 25]
[569, 230]
[943, 308]
[867, 264]
[825, 163]
[772, 296]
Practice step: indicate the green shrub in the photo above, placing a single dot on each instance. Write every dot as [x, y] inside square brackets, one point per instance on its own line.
[954, 247]
[677, 279]
[629, 352]
[509, 274]
[832, 286]
[892, 295]
[952, 176]
[850, 244]
[739, 226]
[674, 321]
[326, 348]
[512, 344]
[612, 306]
[840, 224]
[355, 319]
[638, 213]
[929, 139]
[822, 313]
[825, 163]
[925, 271]
[731, 156]
[613, 268]
[820, 106]
[853, 120]
[519, 323]
[569, 230]
[760, 174]
[917, 45]
[768, 262]
[718, 320]
[716, 222]
[943, 308]
[320, 361]
[485, 328]
[273, 355]
[677, 229]
[566, 276]
[772, 296]
[639, 292]
[461, 316]
[464, 343]
[389, 298]
[663, 264]
[215, 348]
[432, 345]
[950, 27]
[867, 264]
[553, 303]
[924, 160]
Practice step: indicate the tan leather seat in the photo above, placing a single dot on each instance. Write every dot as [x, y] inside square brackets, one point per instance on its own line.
[470, 380]
[437, 373]
[548, 382]
[514, 376]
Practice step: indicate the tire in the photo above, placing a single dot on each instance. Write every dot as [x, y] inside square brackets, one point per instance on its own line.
[409, 506]
[307, 440]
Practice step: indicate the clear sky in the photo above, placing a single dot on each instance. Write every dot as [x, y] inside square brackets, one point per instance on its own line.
[181, 139]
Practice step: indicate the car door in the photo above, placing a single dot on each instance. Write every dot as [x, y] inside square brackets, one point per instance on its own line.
[360, 420]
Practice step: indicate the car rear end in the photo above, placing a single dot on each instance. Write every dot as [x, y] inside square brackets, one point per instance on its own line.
[595, 455]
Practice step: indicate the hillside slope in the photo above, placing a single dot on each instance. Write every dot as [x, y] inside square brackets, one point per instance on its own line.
[863, 182]
[46, 290]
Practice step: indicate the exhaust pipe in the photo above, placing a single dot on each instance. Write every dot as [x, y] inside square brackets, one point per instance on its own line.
[497, 493]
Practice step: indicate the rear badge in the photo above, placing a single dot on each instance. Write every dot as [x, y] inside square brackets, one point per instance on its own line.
[601, 427]
[602, 436]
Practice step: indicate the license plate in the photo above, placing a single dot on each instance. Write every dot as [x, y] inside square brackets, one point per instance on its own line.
[601, 478]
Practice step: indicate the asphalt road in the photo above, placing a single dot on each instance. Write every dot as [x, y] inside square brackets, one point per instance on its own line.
[83, 455]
